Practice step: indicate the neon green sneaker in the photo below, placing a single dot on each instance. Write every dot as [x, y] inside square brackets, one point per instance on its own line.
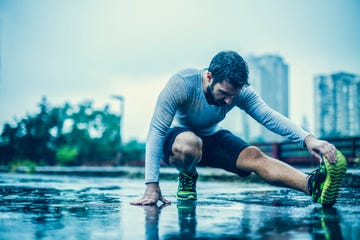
[324, 183]
[187, 187]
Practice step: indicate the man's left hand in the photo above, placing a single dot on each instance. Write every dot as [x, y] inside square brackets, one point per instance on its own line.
[319, 147]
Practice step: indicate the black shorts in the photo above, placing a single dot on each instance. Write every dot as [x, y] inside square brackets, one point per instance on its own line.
[220, 150]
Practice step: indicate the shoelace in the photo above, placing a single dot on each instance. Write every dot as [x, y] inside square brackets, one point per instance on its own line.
[315, 172]
[319, 178]
[186, 183]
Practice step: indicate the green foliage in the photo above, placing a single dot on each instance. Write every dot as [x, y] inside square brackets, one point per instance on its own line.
[356, 162]
[28, 165]
[133, 146]
[133, 151]
[67, 155]
[45, 137]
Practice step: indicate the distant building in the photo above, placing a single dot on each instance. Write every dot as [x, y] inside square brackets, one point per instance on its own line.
[269, 76]
[337, 105]
[305, 123]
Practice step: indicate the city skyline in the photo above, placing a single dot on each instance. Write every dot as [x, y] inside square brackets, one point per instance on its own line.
[337, 104]
[73, 51]
[270, 78]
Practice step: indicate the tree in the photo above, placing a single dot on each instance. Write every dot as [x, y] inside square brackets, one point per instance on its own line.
[66, 134]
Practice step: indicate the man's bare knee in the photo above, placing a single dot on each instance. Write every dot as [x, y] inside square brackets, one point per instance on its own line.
[269, 169]
[250, 158]
[187, 148]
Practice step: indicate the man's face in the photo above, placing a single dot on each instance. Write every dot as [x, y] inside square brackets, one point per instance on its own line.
[221, 93]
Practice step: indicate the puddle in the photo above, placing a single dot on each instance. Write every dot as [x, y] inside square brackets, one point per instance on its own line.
[62, 207]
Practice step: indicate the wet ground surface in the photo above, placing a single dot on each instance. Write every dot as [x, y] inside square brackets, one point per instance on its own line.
[64, 207]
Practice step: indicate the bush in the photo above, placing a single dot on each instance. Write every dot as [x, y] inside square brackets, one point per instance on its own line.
[67, 155]
[28, 164]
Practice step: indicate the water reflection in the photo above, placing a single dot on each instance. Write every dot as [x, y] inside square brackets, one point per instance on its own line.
[37, 213]
[326, 224]
[186, 220]
[86, 208]
[321, 223]
[152, 214]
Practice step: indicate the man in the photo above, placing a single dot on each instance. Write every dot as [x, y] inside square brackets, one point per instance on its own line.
[184, 133]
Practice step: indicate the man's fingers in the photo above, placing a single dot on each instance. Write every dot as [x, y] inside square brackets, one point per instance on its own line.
[151, 196]
[331, 157]
[144, 201]
[317, 155]
[319, 148]
[137, 202]
[329, 152]
[165, 201]
[149, 202]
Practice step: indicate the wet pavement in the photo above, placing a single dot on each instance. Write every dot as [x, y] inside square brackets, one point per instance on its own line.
[34, 206]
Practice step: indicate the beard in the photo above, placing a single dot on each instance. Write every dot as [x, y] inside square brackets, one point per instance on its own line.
[210, 97]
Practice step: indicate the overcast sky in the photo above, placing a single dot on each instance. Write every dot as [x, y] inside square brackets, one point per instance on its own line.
[87, 49]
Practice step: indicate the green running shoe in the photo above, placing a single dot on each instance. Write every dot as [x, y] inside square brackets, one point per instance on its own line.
[324, 183]
[187, 187]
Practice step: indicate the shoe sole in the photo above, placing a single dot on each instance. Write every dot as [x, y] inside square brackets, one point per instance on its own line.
[189, 198]
[334, 176]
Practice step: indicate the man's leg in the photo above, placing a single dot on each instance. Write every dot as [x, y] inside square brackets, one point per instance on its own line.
[323, 184]
[271, 170]
[186, 153]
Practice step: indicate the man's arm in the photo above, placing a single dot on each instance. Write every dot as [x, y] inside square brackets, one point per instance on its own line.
[170, 98]
[255, 106]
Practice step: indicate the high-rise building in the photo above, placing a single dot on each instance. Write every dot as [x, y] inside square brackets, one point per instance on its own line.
[268, 74]
[337, 104]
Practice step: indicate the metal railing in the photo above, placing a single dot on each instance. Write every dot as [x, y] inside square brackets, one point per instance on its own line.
[294, 154]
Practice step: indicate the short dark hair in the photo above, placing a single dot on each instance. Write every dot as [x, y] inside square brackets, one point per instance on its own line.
[231, 67]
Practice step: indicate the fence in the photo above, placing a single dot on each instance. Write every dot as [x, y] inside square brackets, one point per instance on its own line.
[294, 154]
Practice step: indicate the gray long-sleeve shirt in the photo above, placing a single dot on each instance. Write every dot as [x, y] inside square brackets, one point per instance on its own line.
[182, 103]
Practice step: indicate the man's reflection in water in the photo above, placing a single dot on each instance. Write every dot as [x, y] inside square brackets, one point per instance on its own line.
[186, 219]
[152, 214]
[326, 224]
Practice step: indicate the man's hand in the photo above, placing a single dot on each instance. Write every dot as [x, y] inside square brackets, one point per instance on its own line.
[320, 147]
[151, 196]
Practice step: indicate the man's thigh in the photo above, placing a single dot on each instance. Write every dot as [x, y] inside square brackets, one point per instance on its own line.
[169, 141]
[222, 150]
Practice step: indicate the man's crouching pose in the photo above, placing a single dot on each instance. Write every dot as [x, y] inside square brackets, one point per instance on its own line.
[184, 133]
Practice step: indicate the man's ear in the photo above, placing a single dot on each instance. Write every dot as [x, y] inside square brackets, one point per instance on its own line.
[209, 77]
